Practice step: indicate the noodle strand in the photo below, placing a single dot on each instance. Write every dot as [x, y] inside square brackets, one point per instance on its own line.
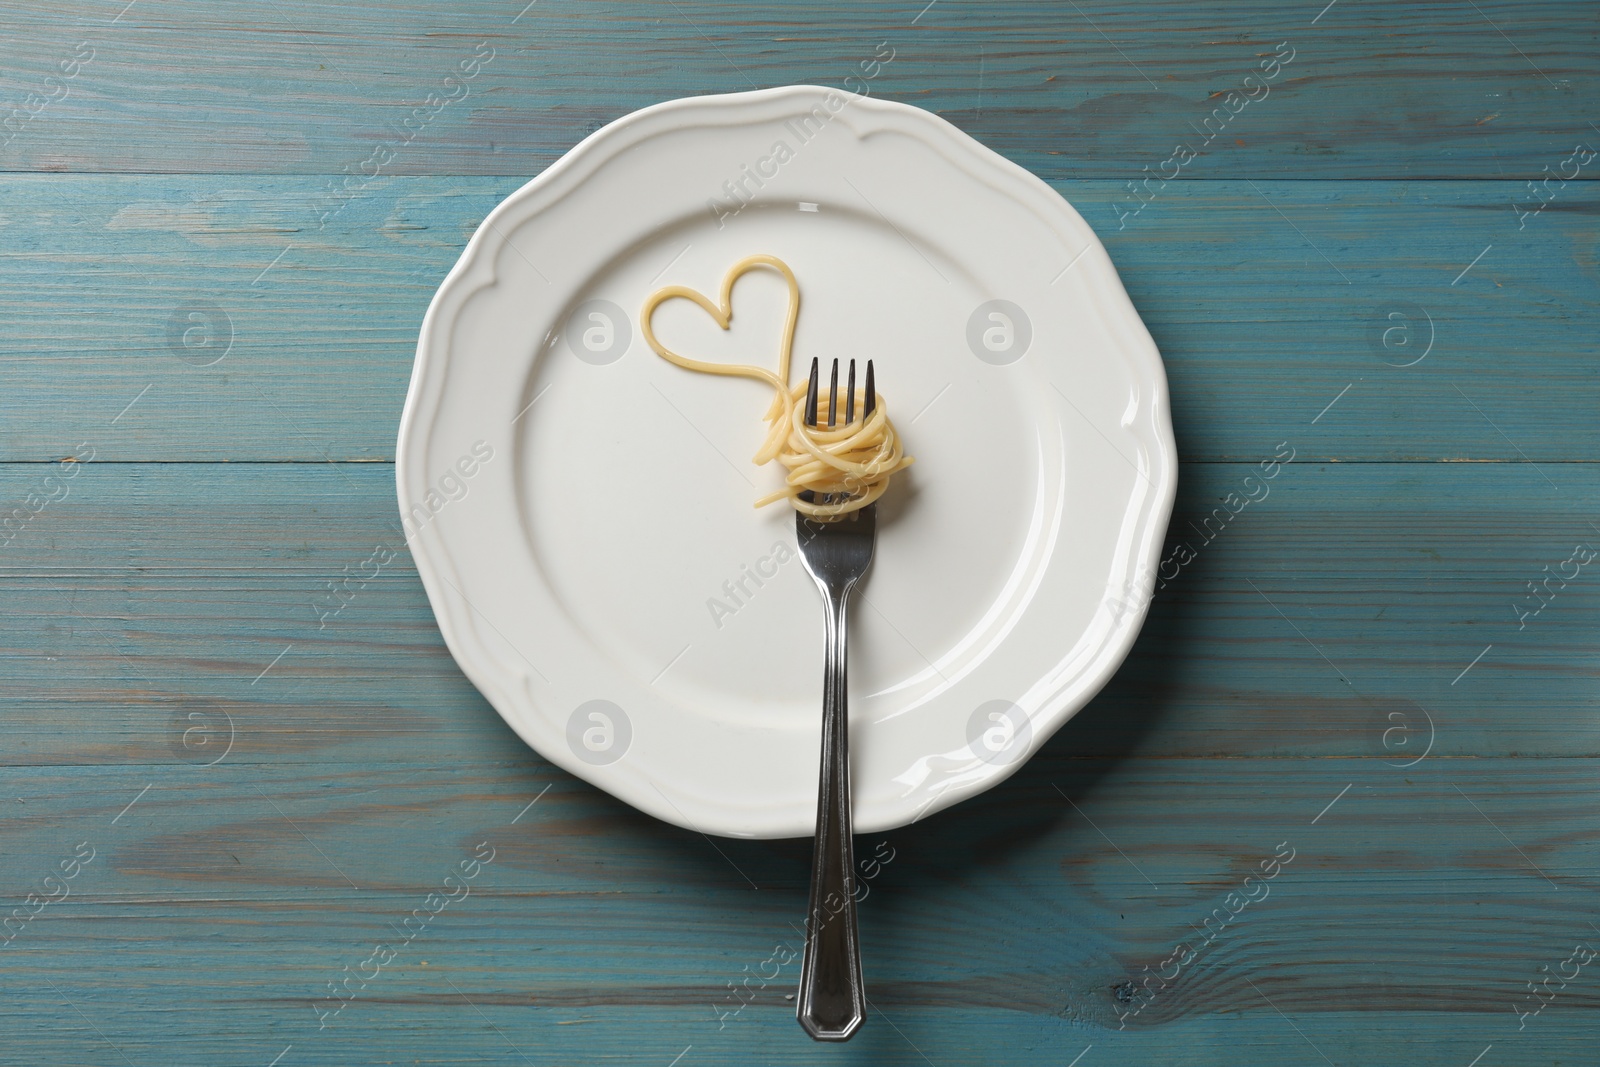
[844, 468]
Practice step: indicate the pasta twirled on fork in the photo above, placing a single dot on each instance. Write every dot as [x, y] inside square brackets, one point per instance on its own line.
[833, 469]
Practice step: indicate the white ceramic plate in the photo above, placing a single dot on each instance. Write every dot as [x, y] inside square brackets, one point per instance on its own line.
[581, 511]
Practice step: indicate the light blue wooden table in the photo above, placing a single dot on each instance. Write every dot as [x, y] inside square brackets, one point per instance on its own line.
[1386, 668]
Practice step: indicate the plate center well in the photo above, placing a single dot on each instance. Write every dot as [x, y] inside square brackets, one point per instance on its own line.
[637, 486]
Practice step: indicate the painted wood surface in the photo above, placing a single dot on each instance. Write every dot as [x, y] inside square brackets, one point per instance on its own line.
[1088, 88]
[1267, 299]
[143, 644]
[153, 592]
[1377, 667]
[222, 903]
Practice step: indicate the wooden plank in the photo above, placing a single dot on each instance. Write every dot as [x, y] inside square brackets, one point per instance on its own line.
[1270, 301]
[1340, 667]
[1335, 616]
[597, 934]
[1445, 90]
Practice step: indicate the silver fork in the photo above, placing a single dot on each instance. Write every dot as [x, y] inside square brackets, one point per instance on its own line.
[833, 1002]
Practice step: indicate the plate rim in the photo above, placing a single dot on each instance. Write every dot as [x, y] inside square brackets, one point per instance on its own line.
[475, 271]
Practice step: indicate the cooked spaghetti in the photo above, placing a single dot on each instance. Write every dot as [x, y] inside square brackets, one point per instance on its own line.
[832, 470]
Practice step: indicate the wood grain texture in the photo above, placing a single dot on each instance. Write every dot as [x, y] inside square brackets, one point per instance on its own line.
[1340, 670]
[1495, 88]
[1341, 607]
[598, 935]
[1267, 299]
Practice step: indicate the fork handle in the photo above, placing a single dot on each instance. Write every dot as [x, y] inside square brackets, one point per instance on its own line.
[832, 1002]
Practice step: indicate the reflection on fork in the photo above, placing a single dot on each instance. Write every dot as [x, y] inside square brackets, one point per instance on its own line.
[832, 1000]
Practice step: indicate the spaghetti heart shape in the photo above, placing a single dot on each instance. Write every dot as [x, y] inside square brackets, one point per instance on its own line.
[723, 316]
[832, 471]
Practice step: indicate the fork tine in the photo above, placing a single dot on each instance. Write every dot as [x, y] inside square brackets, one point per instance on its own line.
[833, 393]
[872, 394]
[811, 396]
[850, 396]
